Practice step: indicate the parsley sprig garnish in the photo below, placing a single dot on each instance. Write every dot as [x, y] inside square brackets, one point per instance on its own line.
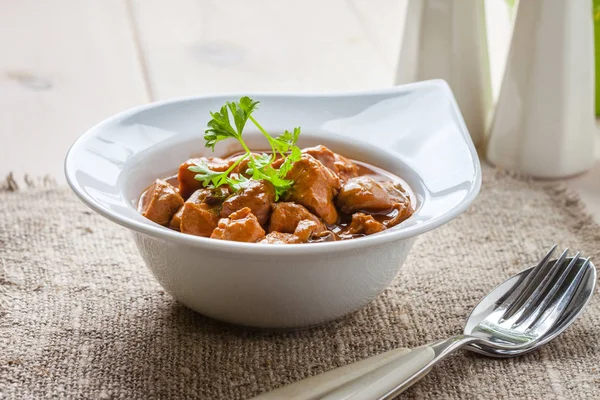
[259, 165]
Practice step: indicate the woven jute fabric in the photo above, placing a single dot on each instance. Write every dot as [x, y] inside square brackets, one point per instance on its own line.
[81, 316]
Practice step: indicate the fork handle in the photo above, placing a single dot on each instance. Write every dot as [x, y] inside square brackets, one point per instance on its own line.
[399, 374]
[388, 380]
[377, 377]
[317, 386]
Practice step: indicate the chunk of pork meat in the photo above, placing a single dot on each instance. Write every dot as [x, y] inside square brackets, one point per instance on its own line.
[315, 187]
[241, 226]
[160, 202]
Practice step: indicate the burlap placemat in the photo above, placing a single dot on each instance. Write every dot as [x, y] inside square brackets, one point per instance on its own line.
[81, 317]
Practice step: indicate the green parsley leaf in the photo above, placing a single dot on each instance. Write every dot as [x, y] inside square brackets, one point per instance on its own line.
[237, 182]
[220, 128]
[259, 166]
[289, 138]
[206, 175]
[294, 156]
[261, 161]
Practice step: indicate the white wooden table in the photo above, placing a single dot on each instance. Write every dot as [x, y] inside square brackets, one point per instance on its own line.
[67, 64]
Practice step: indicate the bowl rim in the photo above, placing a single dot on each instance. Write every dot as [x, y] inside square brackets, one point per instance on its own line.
[391, 235]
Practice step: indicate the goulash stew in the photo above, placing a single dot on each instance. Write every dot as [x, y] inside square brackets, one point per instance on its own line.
[284, 196]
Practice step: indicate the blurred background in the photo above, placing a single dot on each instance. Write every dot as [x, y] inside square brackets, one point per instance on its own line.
[67, 64]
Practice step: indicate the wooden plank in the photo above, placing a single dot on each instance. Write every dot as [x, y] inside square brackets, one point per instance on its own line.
[197, 47]
[64, 66]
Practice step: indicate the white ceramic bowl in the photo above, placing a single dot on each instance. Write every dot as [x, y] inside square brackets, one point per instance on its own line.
[415, 131]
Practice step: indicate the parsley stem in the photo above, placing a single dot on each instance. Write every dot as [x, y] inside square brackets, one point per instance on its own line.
[235, 164]
[244, 146]
[264, 132]
[248, 153]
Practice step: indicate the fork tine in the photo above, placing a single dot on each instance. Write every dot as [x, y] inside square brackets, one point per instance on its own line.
[558, 304]
[528, 311]
[538, 286]
[518, 289]
[528, 287]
